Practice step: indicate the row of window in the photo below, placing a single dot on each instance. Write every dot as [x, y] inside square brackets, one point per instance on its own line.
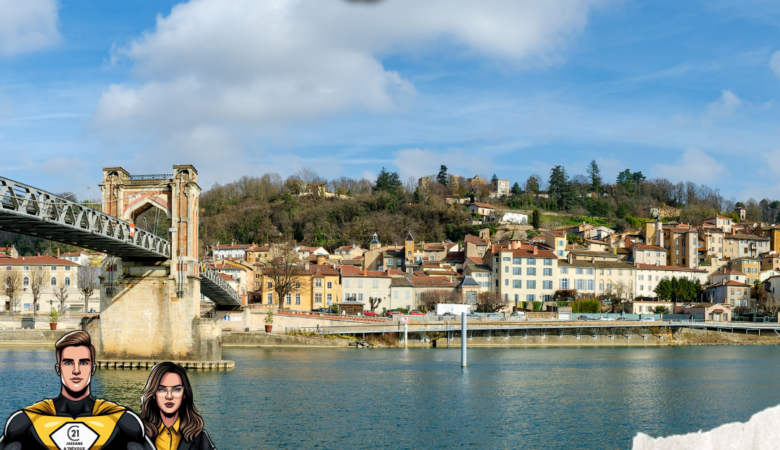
[530, 271]
[530, 261]
[53, 281]
[54, 268]
[318, 283]
[375, 283]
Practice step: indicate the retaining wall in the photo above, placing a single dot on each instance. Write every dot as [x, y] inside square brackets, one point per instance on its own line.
[243, 339]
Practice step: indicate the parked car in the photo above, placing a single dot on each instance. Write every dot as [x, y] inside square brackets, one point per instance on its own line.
[585, 318]
[607, 319]
[494, 316]
[370, 313]
[417, 313]
[647, 319]
[324, 310]
[517, 314]
[393, 313]
[448, 314]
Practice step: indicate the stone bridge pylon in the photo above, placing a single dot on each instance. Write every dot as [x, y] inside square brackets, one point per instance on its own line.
[150, 307]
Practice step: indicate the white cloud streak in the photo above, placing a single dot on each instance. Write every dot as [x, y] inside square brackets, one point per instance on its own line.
[27, 25]
[693, 165]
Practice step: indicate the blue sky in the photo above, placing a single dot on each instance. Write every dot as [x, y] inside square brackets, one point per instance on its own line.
[682, 90]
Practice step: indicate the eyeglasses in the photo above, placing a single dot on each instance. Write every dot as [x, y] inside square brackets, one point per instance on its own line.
[170, 391]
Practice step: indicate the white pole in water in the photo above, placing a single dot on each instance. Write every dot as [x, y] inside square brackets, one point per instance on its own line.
[463, 337]
[406, 336]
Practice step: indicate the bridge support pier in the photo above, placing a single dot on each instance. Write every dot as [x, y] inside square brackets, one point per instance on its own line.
[147, 318]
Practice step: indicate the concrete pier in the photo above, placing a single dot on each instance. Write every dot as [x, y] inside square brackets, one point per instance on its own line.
[148, 365]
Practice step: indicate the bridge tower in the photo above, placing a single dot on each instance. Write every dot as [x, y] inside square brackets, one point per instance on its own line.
[150, 308]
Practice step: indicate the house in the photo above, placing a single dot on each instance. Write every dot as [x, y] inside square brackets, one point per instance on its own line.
[722, 222]
[307, 252]
[525, 273]
[506, 217]
[557, 241]
[483, 209]
[770, 261]
[502, 188]
[392, 259]
[579, 275]
[712, 312]
[734, 293]
[315, 287]
[362, 285]
[232, 250]
[682, 244]
[481, 273]
[421, 285]
[648, 254]
[475, 246]
[79, 258]
[401, 294]
[587, 255]
[645, 306]
[348, 252]
[9, 251]
[257, 254]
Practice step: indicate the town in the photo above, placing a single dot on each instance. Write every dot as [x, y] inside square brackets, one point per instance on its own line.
[549, 253]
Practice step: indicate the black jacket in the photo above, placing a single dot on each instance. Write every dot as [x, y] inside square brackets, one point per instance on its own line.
[202, 442]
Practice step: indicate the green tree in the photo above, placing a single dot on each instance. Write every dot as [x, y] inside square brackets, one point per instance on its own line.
[536, 219]
[560, 190]
[494, 180]
[516, 190]
[442, 177]
[661, 310]
[389, 182]
[623, 210]
[532, 185]
[595, 177]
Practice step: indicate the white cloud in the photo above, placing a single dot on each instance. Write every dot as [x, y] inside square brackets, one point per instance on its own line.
[774, 63]
[245, 65]
[27, 25]
[693, 165]
[724, 106]
[420, 162]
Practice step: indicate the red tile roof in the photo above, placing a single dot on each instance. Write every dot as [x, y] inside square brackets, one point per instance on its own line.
[474, 240]
[232, 247]
[37, 261]
[352, 271]
[557, 233]
[659, 267]
[226, 277]
[649, 247]
[483, 205]
[528, 252]
[431, 281]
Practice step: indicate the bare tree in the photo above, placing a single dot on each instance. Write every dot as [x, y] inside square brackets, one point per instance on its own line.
[61, 293]
[767, 302]
[87, 283]
[284, 269]
[12, 287]
[617, 294]
[373, 302]
[429, 299]
[38, 276]
[491, 302]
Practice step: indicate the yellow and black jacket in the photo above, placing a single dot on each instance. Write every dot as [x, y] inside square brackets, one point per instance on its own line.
[88, 424]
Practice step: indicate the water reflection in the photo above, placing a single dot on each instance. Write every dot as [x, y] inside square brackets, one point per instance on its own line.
[421, 398]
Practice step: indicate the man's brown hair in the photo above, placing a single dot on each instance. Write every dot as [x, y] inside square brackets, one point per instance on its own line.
[75, 339]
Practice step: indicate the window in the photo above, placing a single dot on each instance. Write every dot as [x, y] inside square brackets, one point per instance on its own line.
[288, 299]
[53, 281]
[609, 285]
[318, 282]
[530, 284]
[360, 297]
[548, 261]
[561, 244]
[589, 284]
[517, 270]
[631, 271]
[547, 284]
[579, 284]
[53, 267]
[531, 271]
[298, 299]
[580, 271]
[506, 269]
[330, 299]
[376, 283]
[517, 297]
[298, 285]
[647, 254]
[620, 271]
[560, 252]
[641, 277]
[67, 281]
[26, 281]
[360, 283]
[601, 286]
[589, 271]
[563, 283]
[330, 285]
[530, 297]
[67, 268]
[547, 272]
[408, 294]
[658, 254]
[517, 260]
[270, 298]
[517, 284]
[531, 261]
[507, 258]
[564, 270]
[346, 282]
[609, 271]
[317, 298]
[506, 282]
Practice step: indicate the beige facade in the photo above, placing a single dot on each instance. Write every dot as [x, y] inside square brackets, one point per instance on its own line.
[649, 306]
[742, 245]
[557, 241]
[682, 244]
[649, 254]
[525, 274]
[751, 267]
[54, 273]
[648, 277]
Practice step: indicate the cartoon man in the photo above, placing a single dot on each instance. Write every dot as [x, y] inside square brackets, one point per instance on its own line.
[74, 420]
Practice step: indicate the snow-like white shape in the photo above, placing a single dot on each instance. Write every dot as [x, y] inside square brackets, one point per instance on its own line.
[761, 432]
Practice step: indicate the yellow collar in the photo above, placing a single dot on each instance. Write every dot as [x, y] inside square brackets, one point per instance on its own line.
[175, 426]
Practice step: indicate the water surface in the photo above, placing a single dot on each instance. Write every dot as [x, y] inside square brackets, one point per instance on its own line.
[421, 398]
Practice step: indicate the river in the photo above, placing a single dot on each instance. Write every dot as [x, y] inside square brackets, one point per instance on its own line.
[421, 398]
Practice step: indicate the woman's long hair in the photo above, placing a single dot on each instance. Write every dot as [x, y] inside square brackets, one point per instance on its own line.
[190, 422]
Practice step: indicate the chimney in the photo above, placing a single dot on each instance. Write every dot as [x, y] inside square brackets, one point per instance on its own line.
[306, 266]
[58, 253]
[536, 250]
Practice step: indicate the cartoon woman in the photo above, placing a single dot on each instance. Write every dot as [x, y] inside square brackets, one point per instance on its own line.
[168, 411]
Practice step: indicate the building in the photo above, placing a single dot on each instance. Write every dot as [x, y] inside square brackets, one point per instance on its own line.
[79, 258]
[556, 240]
[257, 254]
[232, 250]
[502, 187]
[483, 209]
[506, 217]
[392, 259]
[771, 232]
[741, 245]
[649, 306]
[682, 244]
[525, 274]
[751, 267]
[362, 285]
[712, 312]
[649, 254]
[57, 277]
[770, 261]
[481, 273]
[475, 246]
[401, 294]
[579, 275]
[349, 252]
[421, 285]
[732, 293]
[722, 222]
[315, 287]
[648, 276]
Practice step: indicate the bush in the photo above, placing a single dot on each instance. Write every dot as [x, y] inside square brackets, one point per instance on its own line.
[563, 303]
[537, 306]
[590, 305]
[334, 308]
[402, 310]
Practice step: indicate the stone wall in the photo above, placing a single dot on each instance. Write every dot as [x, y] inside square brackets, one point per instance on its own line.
[31, 336]
[242, 339]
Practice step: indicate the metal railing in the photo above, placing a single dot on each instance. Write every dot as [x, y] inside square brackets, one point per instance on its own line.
[217, 289]
[158, 176]
[33, 212]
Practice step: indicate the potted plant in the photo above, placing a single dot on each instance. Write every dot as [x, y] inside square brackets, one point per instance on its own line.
[269, 320]
[53, 319]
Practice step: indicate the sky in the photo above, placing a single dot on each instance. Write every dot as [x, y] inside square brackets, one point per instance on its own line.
[682, 90]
